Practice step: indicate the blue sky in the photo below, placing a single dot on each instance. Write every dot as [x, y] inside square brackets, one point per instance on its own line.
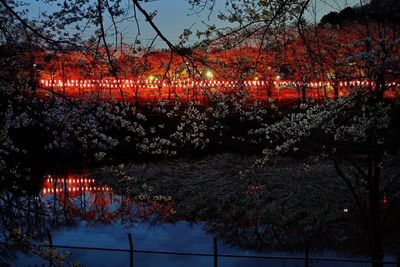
[173, 16]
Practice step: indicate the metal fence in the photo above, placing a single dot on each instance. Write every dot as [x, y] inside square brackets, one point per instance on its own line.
[217, 258]
[214, 259]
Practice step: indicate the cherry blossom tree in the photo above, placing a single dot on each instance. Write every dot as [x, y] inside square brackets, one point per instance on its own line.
[354, 132]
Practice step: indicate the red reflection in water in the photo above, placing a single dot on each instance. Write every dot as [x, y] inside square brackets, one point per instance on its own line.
[71, 184]
[74, 198]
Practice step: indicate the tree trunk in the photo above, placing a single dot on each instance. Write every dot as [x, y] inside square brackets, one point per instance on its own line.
[33, 78]
[374, 214]
[307, 255]
[374, 175]
[380, 87]
[303, 93]
[376, 247]
[269, 88]
[336, 89]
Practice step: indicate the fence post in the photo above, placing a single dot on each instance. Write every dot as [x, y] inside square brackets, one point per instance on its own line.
[215, 252]
[49, 237]
[51, 245]
[130, 250]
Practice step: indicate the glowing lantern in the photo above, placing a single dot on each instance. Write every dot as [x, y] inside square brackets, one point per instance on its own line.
[209, 74]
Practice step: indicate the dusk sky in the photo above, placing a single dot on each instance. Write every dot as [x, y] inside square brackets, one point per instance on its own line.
[173, 16]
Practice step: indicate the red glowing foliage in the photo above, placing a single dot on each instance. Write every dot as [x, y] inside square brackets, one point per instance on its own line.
[323, 66]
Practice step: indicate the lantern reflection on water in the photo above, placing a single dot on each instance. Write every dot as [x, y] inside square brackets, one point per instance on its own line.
[80, 196]
[71, 184]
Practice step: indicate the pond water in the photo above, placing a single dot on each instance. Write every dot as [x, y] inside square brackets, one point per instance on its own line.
[82, 216]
